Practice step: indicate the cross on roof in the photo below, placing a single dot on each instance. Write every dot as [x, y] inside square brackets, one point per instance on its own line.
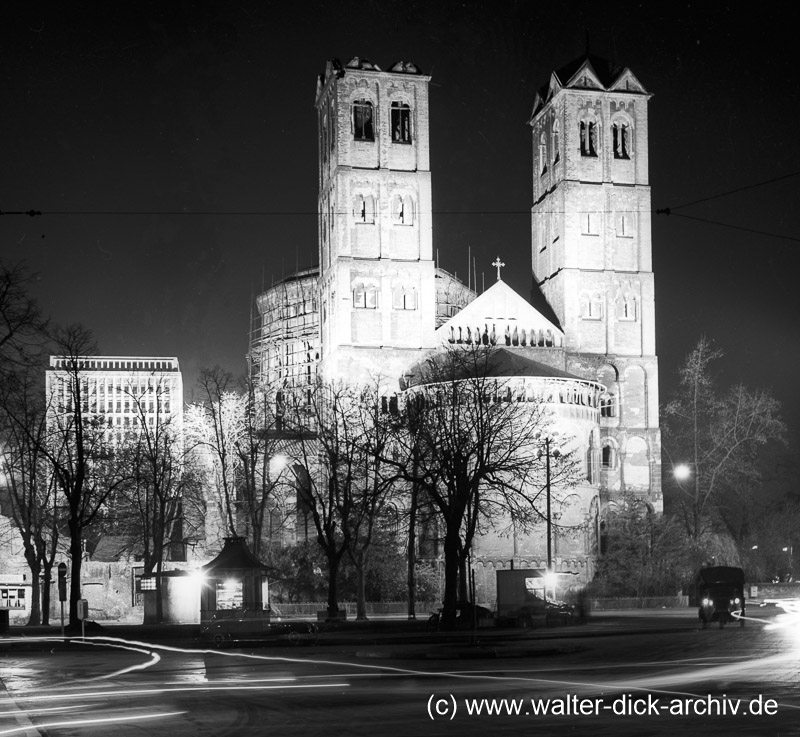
[499, 264]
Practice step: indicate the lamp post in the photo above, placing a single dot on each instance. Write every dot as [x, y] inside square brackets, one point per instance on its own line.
[549, 511]
[550, 576]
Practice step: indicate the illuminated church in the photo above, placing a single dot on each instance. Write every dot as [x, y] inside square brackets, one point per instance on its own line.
[377, 303]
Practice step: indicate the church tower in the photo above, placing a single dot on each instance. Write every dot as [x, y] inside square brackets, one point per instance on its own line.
[377, 280]
[592, 260]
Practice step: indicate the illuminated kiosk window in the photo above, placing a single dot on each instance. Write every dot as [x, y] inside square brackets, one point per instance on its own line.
[230, 594]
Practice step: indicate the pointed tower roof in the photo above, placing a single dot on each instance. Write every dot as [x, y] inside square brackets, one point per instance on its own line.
[588, 71]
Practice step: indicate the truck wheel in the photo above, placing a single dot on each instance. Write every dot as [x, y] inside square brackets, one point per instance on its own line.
[218, 639]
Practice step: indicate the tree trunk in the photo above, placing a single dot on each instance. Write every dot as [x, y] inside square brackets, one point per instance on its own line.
[36, 597]
[463, 580]
[333, 577]
[412, 553]
[361, 587]
[47, 582]
[76, 558]
[451, 561]
[159, 593]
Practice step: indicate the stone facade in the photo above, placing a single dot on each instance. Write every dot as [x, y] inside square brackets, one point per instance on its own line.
[383, 305]
[592, 255]
[377, 277]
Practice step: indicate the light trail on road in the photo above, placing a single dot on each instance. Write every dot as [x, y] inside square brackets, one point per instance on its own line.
[160, 680]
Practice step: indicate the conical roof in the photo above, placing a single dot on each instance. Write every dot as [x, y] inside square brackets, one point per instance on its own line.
[457, 364]
[235, 555]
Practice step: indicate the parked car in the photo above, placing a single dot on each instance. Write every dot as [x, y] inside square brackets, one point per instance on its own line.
[262, 627]
[468, 615]
[554, 613]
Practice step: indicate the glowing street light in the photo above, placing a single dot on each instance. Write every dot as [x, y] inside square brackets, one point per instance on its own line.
[277, 463]
[682, 472]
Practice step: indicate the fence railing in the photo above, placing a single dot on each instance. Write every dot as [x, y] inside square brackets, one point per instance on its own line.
[635, 602]
[310, 608]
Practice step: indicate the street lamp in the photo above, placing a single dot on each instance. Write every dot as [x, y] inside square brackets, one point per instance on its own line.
[550, 576]
[682, 472]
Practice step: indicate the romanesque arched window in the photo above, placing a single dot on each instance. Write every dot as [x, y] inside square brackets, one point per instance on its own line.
[363, 120]
[402, 210]
[365, 296]
[556, 142]
[621, 139]
[404, 298]
[401, 122]
[627, 308]
[588, 136]
[542, 153]
[364, 208]
[608, 455]
[591, 306]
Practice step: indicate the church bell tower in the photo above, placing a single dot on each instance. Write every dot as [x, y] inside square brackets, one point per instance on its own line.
[592, 255]
[376, 284]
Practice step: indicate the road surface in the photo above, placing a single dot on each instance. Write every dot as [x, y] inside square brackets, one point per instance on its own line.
[621, 676]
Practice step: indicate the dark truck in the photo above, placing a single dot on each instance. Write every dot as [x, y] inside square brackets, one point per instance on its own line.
[720, 591]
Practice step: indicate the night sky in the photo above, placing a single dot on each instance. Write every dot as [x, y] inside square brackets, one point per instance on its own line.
[118, 117]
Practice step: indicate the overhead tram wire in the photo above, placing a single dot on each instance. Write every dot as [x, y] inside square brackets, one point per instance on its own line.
[671, 210]
[659, 211]
[729, 225]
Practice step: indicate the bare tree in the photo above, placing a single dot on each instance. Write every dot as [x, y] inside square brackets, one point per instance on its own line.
[214, 426]
[29, 489]
[161, 475]
[339, 443]
[260, 454]
[79, 449]
[22, 327]
[476, 453]
[366, 497]
[718, 435]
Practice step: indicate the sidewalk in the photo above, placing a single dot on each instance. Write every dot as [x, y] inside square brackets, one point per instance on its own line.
[382, 637]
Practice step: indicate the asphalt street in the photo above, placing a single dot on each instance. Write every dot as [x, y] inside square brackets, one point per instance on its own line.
[622, 673]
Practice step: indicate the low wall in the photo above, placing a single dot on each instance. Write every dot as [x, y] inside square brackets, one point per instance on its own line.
[774, 590]
[648, 602]
[310, 608]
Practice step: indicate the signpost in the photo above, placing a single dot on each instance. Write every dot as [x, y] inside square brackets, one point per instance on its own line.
[83, 615]
[62, 590]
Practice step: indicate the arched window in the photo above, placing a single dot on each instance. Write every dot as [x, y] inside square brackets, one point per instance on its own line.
[608, 457]
[556, 142]
[543, 153]
[591, 306]
[621, 139]
[401, 122]
[363, 124]
[365, 297]
[402, 210]
[588, 133]
[626, 308]
[364, 209]
[404, 298]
